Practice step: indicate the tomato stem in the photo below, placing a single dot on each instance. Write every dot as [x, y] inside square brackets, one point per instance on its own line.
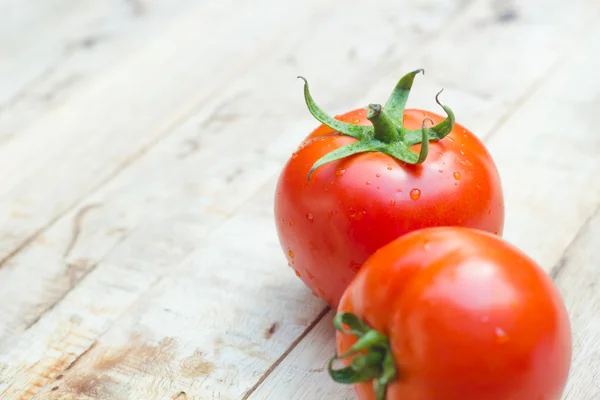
[372, 358]
[387, 133]
[384, 128]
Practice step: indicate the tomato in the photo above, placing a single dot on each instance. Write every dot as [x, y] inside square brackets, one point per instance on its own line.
[454, 314]
[360, 198]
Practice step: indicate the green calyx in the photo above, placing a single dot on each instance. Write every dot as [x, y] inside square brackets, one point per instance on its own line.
[374, 363]
[387, 134]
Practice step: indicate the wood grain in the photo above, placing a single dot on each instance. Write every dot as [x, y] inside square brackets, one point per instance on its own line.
[146, 233]
[156, 270]
[52, 49]
[578, 278]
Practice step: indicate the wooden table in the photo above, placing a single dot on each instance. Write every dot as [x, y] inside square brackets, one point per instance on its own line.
[140, 141]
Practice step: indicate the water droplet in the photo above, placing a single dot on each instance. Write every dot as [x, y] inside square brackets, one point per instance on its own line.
[330, 214]
[378, 187]
[378, 175]
[356, 121]
[449, 138]
[367, 183]
[456, 176]
[291, 253]
[462, 152]
[354, 266]
[294, 155]
[389, 168]
[415, 194]
[439, 153]
[320, 292]
[309, 275]
[310, 217]
[478, 187]
[282, 220]
[392, 202]
[292, 222]
[297, 273]
[467, 163]
[340, 172]
[440, 171]
[356, 215]
[501, 335]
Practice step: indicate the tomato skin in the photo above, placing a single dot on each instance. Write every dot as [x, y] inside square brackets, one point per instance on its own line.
[468, 317]
[330, 225]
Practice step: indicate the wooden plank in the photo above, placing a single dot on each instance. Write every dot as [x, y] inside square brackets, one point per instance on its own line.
[51, 49]
[187, 167]
[578, 278]
[103, 134]
[84, 337]
[551, 190]
[203, 164]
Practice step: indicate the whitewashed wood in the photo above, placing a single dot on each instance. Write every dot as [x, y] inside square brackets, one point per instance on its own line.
[303, 374]
[141, 182]
[76, 338]
[199, 161]
[88, 139]
[50, 49]
[547, 154]
[578, 279]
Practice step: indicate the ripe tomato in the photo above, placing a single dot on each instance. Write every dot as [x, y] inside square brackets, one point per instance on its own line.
[452, 313]
[370, 186]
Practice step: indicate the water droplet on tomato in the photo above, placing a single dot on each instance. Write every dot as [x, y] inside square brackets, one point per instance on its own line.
[439, 153]
[320, 292]
[294, 155]
[367, 183]
[297, 273]
[377, 175]
[291, 253]
[330, 214]
[467, 163]
[356, 215]
[415, 194]
[456, 176]
[292, 222]
[501, 335]
[478, 187]
[389, 168]
[449, 138]
[340, 172]
[462, 152]
[440, 171]
[392, 202]
[356, 121]
[309, 275]
[310, 217]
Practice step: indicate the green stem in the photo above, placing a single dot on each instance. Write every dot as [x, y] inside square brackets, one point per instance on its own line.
[385, 130]
[374, 363]
[386, 134]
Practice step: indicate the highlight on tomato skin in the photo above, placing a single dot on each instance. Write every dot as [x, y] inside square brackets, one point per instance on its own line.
[452, 313]
[368, 176]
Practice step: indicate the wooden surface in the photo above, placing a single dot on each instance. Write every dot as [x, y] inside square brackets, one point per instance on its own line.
[140, 141]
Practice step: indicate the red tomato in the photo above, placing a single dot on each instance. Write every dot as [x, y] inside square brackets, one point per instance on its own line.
[329, 225]
[461, 315]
